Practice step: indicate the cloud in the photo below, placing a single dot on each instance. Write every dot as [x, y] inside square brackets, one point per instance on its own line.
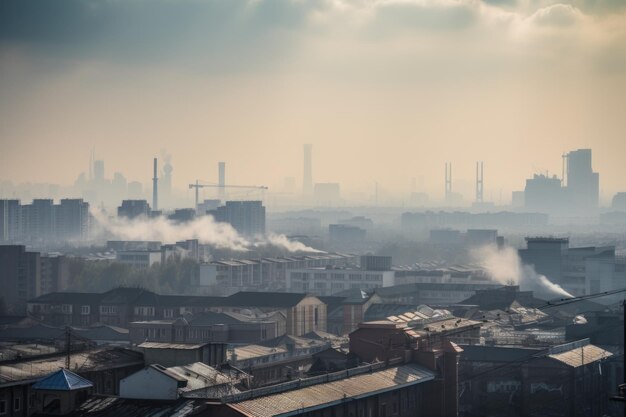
[561, 15]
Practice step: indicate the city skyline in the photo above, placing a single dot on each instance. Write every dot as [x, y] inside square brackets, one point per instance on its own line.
[385, 91]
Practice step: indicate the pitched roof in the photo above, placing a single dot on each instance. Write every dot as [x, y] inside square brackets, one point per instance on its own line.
[67, 298]
[62, 380]
[580, 356]
[264, 299]
[301, 400]
[124, 295]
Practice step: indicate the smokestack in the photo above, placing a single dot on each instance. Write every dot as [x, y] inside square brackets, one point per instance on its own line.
[155, 188]
[307, 178]
[479, 182]
[221, 167]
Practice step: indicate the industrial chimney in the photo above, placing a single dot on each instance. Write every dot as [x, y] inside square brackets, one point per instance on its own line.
[307, 178]
[221, 167]
[155, 188]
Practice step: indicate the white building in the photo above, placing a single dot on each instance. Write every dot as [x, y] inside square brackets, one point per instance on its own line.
[329, 281]
[155, 382]
[138, 259]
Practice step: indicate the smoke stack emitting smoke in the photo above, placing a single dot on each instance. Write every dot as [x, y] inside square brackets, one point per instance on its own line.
[506, 267]
[205, 229]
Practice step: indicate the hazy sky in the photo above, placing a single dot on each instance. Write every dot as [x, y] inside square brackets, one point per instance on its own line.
[384, 90]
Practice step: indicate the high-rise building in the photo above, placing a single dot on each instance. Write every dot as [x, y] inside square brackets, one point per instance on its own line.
[133, 208]
[583, 185]
[38, 220]
[247, 217]
[98, 170]
[20, 277]
[543, 194]
[9, 220]
[72, 219]
[307, 177]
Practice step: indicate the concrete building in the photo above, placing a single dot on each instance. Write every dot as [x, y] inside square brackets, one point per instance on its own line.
[55, 273]
[563, 380]
[20, 277]
[247, 217]
[330, 281]
[567, 266]
[38, 220]
[341, 233]
[133, 208]
[228, 277]
[10, 223]
[72, 219]
[138, 259]
[544, 194]
[583, 185]
[327, 194]
[207, 327]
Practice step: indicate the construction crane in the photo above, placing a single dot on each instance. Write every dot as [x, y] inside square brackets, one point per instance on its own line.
[197, 186]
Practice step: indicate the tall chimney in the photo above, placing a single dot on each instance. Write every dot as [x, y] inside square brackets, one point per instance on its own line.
[155, 188]
[221, 167]
[307, 178]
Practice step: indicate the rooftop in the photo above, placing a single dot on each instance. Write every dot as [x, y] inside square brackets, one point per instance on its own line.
[62, 380]
[580, 356]
[301, 400]
[85, 361]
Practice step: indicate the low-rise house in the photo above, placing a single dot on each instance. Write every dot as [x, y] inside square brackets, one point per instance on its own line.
[303, 313]
[104, 367]
[208, 327]
[563, 380]
[156, 382]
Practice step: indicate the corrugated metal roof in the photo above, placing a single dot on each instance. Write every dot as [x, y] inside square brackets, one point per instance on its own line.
[254, 351]
[181, 346]
[303, 399]
[85, 361]
[581, 356]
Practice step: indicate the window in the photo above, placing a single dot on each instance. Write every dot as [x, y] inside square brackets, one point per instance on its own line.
[66, 308]
[108, 309]
[84, 310]
[168, 313]
[162, 333]
[3, 407]
[17, 402]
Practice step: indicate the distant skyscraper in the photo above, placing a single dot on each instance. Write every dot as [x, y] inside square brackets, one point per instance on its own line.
[307, 178]
[543, 194]
[98, 170]
[583, 185]
[9, 220]
[247, 217]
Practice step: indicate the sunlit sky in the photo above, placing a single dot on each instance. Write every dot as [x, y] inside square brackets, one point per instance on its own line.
[386, 91]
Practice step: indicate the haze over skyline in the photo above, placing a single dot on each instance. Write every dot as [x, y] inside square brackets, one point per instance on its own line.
[386, 91]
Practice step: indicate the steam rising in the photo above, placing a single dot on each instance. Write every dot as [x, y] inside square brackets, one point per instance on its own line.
[204, 228]
[506, 267]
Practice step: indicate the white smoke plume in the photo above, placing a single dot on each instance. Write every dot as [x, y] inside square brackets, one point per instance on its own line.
[506, 267]
[281, 241]
[204, 228]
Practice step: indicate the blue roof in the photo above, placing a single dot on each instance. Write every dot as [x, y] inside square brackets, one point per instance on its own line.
[62, 380]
